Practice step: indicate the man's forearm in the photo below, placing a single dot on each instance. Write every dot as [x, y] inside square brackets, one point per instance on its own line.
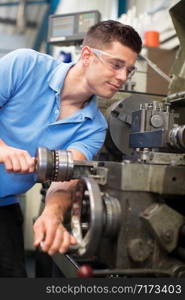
[59, 197]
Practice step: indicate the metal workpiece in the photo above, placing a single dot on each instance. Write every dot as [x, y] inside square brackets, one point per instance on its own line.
[44, 164]
[64, 166]
[58, 165]
[53, 165]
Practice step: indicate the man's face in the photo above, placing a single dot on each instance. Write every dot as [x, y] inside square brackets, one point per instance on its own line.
[109, 68]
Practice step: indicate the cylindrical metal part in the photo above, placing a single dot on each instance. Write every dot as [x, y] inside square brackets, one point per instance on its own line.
[58, 165]
[54, 165]
[64, 165]
[45, 164]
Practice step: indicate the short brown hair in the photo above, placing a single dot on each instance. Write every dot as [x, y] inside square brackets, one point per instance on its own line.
[105, 32]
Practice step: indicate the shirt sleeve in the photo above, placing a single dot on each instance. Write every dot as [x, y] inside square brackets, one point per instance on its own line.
[90, 145]
[13, 68]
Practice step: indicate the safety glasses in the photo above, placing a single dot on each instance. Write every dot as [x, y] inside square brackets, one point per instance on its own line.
[115, 64]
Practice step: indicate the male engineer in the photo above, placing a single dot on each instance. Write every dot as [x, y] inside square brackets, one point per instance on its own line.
[46, 103]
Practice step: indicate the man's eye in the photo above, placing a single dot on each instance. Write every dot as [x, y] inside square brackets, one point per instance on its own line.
[116, 66]
[130, 70]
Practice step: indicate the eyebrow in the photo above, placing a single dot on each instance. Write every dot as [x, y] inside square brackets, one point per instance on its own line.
[123, 62]
[112, 57]
[119, 60]
[108, 54]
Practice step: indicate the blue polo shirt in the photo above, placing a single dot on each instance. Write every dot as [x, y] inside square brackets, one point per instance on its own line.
[30, 86]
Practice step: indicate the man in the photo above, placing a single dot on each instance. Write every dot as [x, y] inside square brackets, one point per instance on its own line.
[47, 103]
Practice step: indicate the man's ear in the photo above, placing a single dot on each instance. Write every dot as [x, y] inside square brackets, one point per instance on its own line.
[85, 55]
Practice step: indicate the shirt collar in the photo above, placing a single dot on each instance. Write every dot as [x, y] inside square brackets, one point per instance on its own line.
[90, 109]
[88, 112]
[57, 77]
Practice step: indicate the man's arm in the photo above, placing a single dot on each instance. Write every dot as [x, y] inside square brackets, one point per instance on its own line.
[15, 66]
[49, 228]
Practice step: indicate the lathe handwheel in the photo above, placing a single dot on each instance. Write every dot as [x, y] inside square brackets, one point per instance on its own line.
[88, 242]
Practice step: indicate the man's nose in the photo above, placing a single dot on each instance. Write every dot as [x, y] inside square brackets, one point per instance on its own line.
[122, 74]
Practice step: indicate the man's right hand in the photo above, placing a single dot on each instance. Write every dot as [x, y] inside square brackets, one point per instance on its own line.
[16, 160]
[50, 233]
